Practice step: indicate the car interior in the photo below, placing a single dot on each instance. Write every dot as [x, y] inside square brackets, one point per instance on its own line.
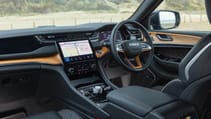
[134, 69]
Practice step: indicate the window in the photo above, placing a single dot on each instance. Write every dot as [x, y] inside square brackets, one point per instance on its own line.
[192, 13]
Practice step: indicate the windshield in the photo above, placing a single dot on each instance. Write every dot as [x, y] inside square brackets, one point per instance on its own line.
[18, 14]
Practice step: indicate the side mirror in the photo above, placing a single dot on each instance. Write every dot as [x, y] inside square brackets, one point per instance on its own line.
[164, 19]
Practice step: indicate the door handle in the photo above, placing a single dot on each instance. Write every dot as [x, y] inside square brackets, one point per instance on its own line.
[164, 37]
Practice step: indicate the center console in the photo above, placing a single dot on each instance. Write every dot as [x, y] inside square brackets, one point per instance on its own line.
[80, 65]
[135, 102]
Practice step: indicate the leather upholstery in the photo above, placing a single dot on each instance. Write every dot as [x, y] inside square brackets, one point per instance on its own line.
[197, 63]
[68, 114]
[46, 115]
[139, 100]
[170, 87]
[198, 94]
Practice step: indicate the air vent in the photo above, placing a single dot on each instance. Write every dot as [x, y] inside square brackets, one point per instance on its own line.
[60, 37]
[136, 32]
[65, 37]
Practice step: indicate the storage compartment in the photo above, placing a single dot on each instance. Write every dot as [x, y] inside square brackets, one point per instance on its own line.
[167, 59]
[171, 53]
[142, 103]
[20, 94]
[18, 85]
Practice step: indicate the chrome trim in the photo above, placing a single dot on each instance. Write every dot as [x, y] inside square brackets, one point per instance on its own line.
[193, 60]
[119, 48]
[146, 47]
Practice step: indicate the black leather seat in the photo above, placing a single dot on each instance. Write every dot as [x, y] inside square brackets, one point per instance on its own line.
[194, 83]
[63, 114]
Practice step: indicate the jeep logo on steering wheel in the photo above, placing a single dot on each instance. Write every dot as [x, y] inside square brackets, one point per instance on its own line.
[134, 44]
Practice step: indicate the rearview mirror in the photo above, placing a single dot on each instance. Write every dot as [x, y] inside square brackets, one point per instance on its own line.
[162, 20]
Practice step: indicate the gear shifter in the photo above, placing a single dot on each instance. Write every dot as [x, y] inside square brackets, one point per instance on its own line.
[97, 90]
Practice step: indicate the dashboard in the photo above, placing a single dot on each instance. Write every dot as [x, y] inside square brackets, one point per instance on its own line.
[38, 45]
[72, 51]
[40, 42]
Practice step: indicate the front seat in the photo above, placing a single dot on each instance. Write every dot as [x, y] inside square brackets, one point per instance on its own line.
[63, 114]
[194, 83]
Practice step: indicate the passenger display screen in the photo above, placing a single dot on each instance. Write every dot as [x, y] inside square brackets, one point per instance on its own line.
[73, 51]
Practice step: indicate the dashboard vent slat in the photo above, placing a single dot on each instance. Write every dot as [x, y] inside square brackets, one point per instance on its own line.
[65, 37]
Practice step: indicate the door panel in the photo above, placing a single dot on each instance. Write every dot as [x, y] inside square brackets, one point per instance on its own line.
[170, 49]
[167, 59]
[181, 39]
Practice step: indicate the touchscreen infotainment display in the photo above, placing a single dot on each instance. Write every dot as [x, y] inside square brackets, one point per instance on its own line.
[73, 51]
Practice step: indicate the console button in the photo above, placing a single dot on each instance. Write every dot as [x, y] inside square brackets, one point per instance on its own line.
[71, 70]
[85, 93]
[108, 88]
[93, 67]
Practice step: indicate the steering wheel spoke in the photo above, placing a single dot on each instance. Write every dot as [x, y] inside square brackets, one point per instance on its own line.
[145, 47]
[138, 63]
[119, 47]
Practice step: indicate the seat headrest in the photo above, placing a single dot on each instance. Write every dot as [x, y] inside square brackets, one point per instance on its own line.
[208, 9]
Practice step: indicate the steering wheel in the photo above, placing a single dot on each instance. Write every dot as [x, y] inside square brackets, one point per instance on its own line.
[135, 54]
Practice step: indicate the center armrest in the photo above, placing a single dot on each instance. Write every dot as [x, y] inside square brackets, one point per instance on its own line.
[139, 100]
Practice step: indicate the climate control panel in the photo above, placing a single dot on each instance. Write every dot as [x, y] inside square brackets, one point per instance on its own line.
[83, 69]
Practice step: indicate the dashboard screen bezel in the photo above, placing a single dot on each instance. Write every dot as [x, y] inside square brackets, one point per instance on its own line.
[62, 55]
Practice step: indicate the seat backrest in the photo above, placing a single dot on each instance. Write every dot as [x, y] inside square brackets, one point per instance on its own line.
[197, 63]
[195, 73]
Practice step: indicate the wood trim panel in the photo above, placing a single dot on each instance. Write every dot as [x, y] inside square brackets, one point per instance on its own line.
[138, 62]
[177, 38]
[54, 60]
[102, 52]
